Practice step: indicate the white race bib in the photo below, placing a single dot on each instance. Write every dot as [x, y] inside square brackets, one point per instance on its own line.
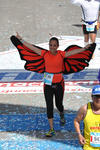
[48, 77]
[95, 139]
[90, 28]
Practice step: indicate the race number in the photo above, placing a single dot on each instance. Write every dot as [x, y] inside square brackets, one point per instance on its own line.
[48, 77]
[90, 28]
[95, 139]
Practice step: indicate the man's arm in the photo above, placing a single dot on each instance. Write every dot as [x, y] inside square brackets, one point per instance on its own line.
[80, 116]
[98, 22]
[99, 17]
[77, 2]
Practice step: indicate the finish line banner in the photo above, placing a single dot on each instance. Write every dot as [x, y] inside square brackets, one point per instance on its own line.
[37, 87]
[22, 81]
[21, 75]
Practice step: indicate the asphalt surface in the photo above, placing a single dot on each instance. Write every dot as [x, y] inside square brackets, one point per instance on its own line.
[35, 20]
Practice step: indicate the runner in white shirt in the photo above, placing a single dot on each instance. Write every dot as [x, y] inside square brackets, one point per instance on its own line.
[90, 17]
[98, 25]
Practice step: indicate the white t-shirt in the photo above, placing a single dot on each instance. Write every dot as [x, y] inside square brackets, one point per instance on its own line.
[90, 9]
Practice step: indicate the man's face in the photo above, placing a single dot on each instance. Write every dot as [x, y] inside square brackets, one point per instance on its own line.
[96, 101]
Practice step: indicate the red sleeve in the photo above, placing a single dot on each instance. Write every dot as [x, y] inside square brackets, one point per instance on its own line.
[43, 52]
[62, 53]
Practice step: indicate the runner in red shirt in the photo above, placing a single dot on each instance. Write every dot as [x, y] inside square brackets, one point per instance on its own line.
[53, 77]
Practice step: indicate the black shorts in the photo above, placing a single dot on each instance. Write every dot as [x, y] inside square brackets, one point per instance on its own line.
[87, 32]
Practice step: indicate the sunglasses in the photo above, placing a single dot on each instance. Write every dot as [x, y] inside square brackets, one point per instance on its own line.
[96, 96]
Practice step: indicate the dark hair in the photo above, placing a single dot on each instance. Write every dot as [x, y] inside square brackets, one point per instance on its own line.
[55, 39]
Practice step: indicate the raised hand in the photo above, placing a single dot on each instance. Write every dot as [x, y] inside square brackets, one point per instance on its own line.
[18, 36]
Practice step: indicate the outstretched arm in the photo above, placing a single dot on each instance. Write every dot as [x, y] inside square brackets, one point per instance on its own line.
[76, 51]
[98, 22]
[30, 46]
[80, 116]
[77, 2]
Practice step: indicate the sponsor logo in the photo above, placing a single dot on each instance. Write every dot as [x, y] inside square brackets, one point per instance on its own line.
[22, 75]
[22, 81]
[37, 87]
[95, 128]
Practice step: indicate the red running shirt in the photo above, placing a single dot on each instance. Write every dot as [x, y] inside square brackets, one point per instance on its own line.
[54, 64]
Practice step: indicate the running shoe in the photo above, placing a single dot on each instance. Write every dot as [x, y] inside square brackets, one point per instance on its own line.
[62, 119]
[50, 133]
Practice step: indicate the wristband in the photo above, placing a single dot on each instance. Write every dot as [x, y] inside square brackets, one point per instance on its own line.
[22, 40]
[78, 133]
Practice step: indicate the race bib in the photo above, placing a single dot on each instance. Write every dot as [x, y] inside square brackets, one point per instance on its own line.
[90, 28]
[48, 77]
[95, 139]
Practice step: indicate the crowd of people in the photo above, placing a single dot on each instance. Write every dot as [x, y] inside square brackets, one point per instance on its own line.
[54, 81]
